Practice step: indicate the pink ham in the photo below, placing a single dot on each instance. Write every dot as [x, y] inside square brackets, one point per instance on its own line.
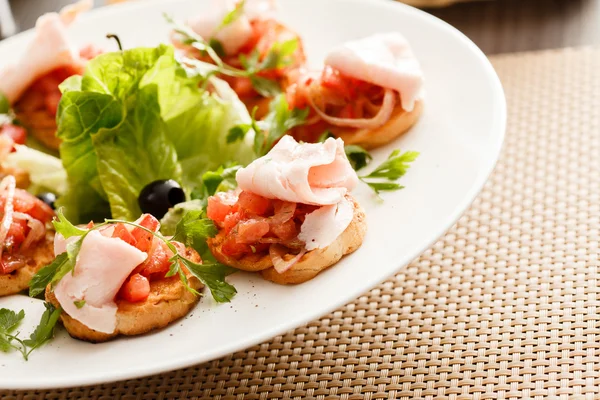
[50, 49]
[309, 173]
[323, 226]
[384, 59]
[235, 34]
[103, 265]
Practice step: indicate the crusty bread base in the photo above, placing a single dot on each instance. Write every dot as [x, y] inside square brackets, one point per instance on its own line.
[31, 112]
[311, 264]
[168, 301]
[39, 256]
[400, 122]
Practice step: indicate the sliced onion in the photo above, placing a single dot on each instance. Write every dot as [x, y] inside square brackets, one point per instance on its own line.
[284, 214]
[277, 251]
[382, 116]
[36, 232]
[7, 186]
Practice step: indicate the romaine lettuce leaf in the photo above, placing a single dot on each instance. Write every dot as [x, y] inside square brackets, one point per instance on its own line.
[134, 117]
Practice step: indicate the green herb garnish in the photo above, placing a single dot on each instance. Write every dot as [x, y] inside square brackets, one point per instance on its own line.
[384, 177]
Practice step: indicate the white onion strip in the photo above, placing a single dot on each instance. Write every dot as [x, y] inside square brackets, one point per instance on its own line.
[382, 116]
[7, 185]
[277, 251]
[36, 232]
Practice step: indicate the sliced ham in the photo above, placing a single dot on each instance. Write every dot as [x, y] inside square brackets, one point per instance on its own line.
[49, 49]
[323, 226]
[309, 173]
[384, 59]
[234, 35]
[103, 265]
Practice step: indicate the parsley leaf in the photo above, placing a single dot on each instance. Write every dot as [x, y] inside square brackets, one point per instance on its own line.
[45, 329]
[265, 87]
[79, 303]
[233, 15]
[278, 121]
[4, 104]
[237, 132]
[9, 321]
[213, 274]
[193, 230]
[358, 156]
[383, 177]
[44, 276]
[217, 46]
[220, 180]
[64, 227]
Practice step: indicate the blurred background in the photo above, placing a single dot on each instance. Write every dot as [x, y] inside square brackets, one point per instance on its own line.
[496, 26]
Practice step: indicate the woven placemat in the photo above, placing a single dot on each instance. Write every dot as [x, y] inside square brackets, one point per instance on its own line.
[504, 306]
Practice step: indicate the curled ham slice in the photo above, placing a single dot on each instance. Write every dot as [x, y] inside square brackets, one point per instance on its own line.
[309, 173]
[8, 186]
[233, 36]
[385, 60]
[323, 226]
[382, 116]
[49, 50]
[277, 251]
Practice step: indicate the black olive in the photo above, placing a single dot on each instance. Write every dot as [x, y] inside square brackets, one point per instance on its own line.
[157, 197]
[48, 198]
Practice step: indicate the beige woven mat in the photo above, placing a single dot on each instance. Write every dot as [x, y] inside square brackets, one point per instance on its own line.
[504, 306]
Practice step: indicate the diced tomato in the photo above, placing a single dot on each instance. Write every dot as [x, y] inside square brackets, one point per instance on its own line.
[10, 263]
[347, 111]
[137, 288]
[18, 134]
[16, 235]
[285, 231]
[243, 87]
[26, 203]
[90, 225]
[123, 233]
[233, 249]
[332, 79]
[231, 220]
[51, 101]
[157, 261]
[218, 208]
[252, 230]
[254, 204]
[142, 237]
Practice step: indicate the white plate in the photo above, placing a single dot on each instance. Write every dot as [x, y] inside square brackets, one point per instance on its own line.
[459, 137]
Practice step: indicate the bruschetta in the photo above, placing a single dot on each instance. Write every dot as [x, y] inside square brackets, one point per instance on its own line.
[240, 30]
[292, 215]
[25, 237]
[118, 285]
[368, 93]
[31, 84]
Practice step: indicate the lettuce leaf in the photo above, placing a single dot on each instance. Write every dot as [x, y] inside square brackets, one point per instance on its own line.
[134, 117]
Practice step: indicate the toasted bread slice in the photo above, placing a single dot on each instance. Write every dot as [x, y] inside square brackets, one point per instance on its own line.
[311, 263]
[400, 122]
[168, 301]
[38, 256]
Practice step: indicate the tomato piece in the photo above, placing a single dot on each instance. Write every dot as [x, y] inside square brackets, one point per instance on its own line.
[157, 261]
[26, 203]
[331, 79]
[219, 206]
[285, 231]
[232, 220]
[123, 233]
[142, 237]
[16, 235]
[233, 249]
[18, 134]
[51, 101]
[347, 111]
[90, 225]
[10, 263]
[135, 289]
[243, 87]
[254, 204]
[251, 231]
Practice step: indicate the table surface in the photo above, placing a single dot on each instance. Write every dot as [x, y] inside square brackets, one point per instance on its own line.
[498, 26]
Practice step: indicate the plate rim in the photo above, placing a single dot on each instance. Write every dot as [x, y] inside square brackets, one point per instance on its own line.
[495, 148]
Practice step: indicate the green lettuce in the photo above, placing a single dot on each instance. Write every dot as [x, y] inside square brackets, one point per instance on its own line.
[134, 117]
